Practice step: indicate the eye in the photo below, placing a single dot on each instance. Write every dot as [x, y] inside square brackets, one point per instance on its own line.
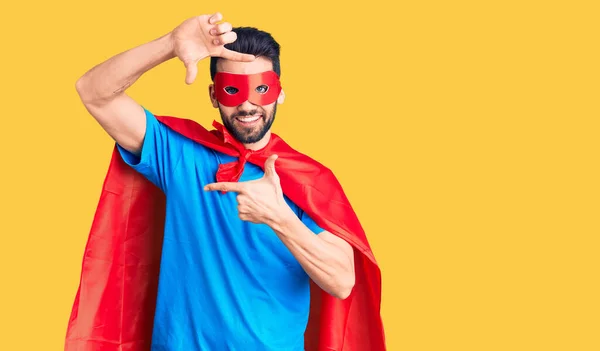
[261, 89]
[230, 90]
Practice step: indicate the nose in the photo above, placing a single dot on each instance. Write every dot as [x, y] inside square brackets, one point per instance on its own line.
[247, 106]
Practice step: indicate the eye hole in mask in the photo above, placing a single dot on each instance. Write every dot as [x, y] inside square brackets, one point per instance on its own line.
[259, 88]
[231, 90]
[262, 89]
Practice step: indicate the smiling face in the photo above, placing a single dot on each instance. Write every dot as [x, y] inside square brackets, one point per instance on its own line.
[248, 118]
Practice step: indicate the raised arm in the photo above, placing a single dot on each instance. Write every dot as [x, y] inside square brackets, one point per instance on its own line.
[102, 89]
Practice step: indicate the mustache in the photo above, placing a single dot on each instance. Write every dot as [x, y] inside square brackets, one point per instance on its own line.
[247, 113]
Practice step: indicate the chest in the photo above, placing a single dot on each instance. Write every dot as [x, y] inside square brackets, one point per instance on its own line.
[207, 224]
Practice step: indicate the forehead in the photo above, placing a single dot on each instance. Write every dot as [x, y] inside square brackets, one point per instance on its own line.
[259, 65]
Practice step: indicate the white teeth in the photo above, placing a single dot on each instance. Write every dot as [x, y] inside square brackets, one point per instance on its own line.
[249, 119]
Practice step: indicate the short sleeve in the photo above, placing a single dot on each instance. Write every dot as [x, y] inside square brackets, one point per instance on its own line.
[310, 223]
[161, 151]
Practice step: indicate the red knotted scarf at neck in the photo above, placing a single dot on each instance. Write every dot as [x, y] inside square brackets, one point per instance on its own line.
[232, 171]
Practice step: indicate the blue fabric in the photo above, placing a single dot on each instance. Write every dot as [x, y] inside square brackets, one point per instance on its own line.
[224, 284]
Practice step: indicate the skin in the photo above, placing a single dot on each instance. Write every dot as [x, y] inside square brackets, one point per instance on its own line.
[327, 259]
[260, 64]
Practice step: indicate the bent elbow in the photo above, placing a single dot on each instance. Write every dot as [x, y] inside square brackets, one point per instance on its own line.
[345, 288]
[79, 85]
[86, 91]
[82, 90]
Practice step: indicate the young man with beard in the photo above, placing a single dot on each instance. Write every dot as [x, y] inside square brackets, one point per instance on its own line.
[238, 256]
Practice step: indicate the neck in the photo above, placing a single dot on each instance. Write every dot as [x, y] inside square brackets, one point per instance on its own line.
[259, 144]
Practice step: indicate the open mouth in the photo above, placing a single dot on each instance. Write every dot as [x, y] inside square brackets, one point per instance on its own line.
[248, 120]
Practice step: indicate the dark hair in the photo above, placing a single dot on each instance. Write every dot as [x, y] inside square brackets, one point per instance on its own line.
[254, 42]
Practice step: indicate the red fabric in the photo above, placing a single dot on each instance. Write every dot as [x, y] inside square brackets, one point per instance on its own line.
[246, 85]
[114, 305]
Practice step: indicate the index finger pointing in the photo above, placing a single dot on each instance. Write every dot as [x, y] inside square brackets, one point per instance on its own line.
[237, 56]
[224, 186]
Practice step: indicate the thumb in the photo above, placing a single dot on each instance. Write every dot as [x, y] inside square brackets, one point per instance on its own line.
[192, 71]
[270, 166]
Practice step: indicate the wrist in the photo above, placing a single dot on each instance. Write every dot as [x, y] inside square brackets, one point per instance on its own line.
[282, 220]
[169, 45]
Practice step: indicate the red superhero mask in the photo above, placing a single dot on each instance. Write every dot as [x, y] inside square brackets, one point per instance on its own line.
[259, 88]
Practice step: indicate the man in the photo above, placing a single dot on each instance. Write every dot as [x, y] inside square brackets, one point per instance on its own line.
[238, 256]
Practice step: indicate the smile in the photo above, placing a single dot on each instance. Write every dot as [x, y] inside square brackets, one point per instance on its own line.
[249, 119]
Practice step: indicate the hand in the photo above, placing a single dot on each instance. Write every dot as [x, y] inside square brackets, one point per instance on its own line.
[199, 37]
[261, 200]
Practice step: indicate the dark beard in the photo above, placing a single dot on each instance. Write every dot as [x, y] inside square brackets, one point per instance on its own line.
[242, 134]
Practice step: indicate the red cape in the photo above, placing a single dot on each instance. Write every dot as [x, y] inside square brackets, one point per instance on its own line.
[114, 305]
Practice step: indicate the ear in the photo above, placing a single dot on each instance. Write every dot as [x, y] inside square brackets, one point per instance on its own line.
[281, 97]
[211, 95]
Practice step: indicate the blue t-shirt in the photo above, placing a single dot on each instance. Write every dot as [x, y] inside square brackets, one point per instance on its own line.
[225, 284]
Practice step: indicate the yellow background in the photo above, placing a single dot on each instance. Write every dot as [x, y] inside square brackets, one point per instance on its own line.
[465, 133]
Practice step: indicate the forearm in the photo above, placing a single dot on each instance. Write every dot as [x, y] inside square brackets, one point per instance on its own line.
[326, 264]
[118, 73]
